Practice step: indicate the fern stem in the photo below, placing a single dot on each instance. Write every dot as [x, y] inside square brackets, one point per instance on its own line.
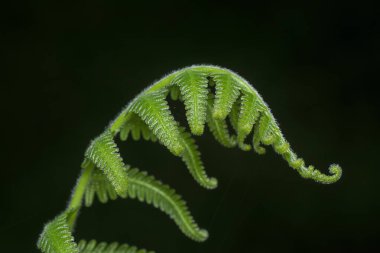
[76, 200]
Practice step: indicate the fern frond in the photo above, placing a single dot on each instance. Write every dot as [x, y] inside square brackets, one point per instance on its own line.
[148, 115]
[193, 87]
[56, 236]
[227, 91]
[218, 127]
[103, 152]
[147, 189]
[192, 158]
[154, 111]
[103, 247]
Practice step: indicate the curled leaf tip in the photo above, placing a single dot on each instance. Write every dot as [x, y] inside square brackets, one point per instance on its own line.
[212, 183]
[335, 174]
[203, 235]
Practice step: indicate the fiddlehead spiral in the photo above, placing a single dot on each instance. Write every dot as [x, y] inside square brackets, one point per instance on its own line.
[148, 115]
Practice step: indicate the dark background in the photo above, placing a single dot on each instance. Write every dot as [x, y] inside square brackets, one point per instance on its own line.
[71, 66]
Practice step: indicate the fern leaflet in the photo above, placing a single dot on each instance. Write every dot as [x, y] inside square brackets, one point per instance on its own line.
[249, 113]
[218, 127]
[154, 110]
[104, 153]
[193, 87]
[102, 247]
[192, 158]
[56, 236]
[148, 189]
[227, 91]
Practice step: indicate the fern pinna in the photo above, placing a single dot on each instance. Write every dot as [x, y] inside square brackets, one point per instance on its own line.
[106, 176]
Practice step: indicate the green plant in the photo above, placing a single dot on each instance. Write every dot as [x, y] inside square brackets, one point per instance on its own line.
[105, 175]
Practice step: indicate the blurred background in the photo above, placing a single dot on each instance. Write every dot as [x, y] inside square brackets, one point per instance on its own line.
[71, 66]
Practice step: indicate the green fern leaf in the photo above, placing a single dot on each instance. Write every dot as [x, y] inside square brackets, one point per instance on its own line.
[218, 127]
[249, 113]
[104, 153]
[56, 236]
[193, 87]
[227, 91]
[102, 247]
[148, 189]
[192, 158]
[259, 132]
[154, 111]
